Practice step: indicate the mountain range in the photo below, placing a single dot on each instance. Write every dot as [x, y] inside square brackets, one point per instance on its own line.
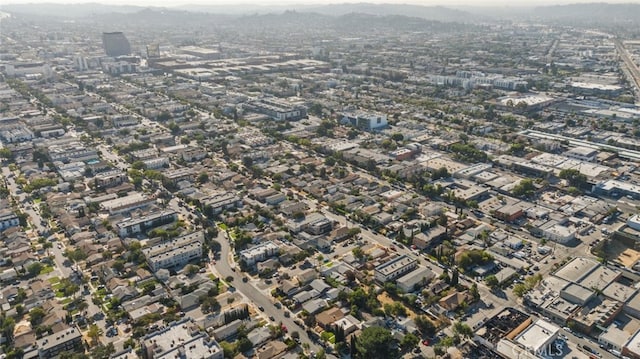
[571, 14]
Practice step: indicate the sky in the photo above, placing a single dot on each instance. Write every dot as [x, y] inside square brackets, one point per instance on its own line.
[170, 3]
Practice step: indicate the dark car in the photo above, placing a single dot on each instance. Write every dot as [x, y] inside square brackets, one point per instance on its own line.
[261, 308]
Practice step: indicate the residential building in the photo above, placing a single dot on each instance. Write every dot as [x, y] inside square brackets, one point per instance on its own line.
[414, 280]
[67, 340]
[110, 179]
[180, 174]
[259, 253]
[131, 226]
[8, 219]
[127, 203]
[395, 268]
[182, 339]
[219, 202]
[454, 300]
[176, 252]
[194, 154]
[314, 223]
[156, 163]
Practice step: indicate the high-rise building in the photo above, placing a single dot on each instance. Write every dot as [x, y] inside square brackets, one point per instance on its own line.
[115, 44]
[153, 50]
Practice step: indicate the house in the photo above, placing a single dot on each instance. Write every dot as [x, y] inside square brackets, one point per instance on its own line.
[306, 276]
[325, 319]
[315, 305]
[124, 293]
[288, 288]
[454, 300]
[319, 285]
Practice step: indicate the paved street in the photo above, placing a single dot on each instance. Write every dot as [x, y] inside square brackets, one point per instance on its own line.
[223, 268]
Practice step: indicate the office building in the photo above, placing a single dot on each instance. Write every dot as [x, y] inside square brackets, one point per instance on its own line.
[115, 44]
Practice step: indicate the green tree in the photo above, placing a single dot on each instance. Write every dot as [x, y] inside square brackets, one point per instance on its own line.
[67, 287]
[524, 188]
[203, 177]
[425, 326]
[94, 333]
[103, 351]
[34, 268]
[376, 343]
[6, 153]
[574, 177]
[409, 341]
[192, 269]
[462, 329]
[492, 281]
[441, 172]
[36, 315]
[148, 287]
[520, 289]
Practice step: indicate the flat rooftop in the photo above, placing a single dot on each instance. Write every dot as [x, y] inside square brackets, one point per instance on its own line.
[634, 344]
[600, 278]
[181, 339]
[577, 269]
[537, 335]
[395, 264]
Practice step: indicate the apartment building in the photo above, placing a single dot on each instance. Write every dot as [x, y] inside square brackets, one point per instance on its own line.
[395, 268]
[131, 226]
[176, 252]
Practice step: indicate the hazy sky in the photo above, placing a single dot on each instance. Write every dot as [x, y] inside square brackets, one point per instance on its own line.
[169, 3]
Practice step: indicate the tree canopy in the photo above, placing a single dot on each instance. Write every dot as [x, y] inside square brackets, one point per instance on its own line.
[376, 343]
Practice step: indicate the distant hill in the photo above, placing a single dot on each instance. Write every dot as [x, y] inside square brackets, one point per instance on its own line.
[68, 10]
[351, 22]
[355, 18]
[438, 13]
[576, 14]
[588, 13]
